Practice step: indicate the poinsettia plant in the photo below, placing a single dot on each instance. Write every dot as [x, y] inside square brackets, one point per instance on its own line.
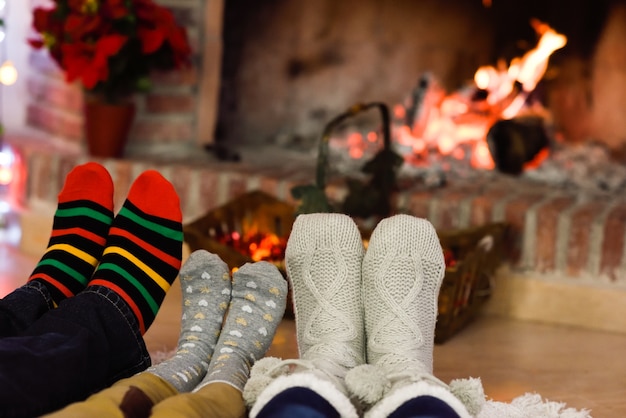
[111, 46]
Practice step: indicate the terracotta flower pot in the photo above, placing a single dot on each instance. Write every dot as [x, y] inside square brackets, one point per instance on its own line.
[107, 127]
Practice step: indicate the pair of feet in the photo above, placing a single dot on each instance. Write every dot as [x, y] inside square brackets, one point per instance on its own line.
[136, 253]
[365, 319]
[226, 324]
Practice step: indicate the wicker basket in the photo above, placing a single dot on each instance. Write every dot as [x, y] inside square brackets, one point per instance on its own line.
[254, 212]
[250, 213]
[467, 285]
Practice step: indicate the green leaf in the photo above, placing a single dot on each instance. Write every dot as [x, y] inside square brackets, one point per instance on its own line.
[144, 84]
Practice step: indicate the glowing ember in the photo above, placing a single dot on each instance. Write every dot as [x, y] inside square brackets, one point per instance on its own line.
[258, 246]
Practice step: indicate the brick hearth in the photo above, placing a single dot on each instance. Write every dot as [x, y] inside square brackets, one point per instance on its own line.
[568, 254]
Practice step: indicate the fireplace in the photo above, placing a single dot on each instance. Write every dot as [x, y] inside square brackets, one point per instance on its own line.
[271, 74]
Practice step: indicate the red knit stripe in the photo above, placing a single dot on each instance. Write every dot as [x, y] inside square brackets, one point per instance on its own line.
[60, 286]
[157, 252]
[79, 231]
[126, 298]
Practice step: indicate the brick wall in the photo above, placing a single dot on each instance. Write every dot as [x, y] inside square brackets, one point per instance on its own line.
[167, 116]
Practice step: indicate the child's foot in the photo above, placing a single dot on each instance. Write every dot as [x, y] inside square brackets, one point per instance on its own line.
[206, 286]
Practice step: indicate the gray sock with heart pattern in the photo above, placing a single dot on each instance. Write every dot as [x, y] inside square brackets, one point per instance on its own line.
[258, 303]
[206, 288]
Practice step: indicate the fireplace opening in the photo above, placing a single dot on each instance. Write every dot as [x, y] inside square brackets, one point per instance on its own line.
[289, 67]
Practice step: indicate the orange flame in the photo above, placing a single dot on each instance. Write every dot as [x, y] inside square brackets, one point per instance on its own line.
[527, 70]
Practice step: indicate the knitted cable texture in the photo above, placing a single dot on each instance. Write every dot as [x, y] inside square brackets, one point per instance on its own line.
[323, 259]
[402, 273]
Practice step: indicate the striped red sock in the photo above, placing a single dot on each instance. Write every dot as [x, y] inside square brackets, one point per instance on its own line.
[79, 230]
[144, 249]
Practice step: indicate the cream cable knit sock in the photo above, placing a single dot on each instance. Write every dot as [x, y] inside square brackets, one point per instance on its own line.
[206, 289]
[402, 271]
[323, 258]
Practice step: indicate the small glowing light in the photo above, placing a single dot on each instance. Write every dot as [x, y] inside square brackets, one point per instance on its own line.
[355, 139]
[2, 35]
[235, 235]
[399, 112]
[481, 157]
[446, 144]
[6, 158]
[8, 73]
[482, 78]
[419, 146]
[6, 175]
[356, 153]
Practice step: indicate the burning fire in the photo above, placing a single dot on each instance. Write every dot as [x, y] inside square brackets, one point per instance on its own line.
[527, 71]
[440, 122]
[257, 245]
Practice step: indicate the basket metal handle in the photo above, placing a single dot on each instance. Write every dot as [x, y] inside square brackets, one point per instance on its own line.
[323, 149]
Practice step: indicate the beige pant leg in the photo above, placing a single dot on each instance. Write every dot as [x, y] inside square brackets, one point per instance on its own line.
[215, 400]
[106, 402]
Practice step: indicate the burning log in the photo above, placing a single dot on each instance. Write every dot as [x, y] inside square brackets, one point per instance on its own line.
[516, 142]
[433, 126]
[415, 105]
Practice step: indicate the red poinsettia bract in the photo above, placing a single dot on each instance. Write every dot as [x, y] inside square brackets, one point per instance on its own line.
[110, 46]
[89, 62]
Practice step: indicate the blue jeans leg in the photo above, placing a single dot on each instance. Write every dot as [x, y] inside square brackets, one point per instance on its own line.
[22, 307]
[88, 342]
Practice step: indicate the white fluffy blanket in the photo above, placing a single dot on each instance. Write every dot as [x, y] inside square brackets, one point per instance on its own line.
[530, 405]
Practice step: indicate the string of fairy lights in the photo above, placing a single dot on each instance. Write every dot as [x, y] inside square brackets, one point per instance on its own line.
[8, 73]
[8, 77]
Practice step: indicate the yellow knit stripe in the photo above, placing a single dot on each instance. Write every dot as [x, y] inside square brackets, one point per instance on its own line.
[75, 252]
[157, 278]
